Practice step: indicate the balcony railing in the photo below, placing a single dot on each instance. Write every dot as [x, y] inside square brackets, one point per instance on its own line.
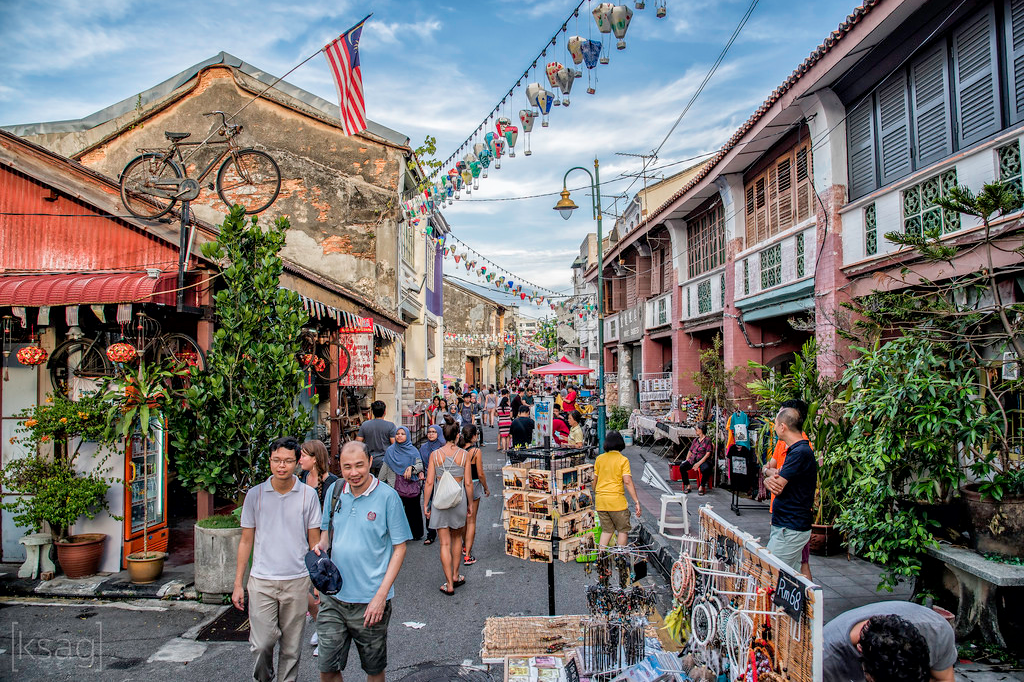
[704, 295]
[785, 260]
[659, 311]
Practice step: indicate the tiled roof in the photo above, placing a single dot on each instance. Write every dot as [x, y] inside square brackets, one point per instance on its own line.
[823, 49]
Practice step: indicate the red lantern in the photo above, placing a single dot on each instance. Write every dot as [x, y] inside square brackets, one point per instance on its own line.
[123, 353]
[32, 355]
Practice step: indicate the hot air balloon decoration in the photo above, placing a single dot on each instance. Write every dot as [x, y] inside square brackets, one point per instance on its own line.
[541, 99]
[660, 8]
[552, 70]
[639, 4]
[509, 132]
[621, 16]
[566, 78]
[456, 181]
[591, 50]
[574, 45]
[499, 149]
[603, 18]
[526, 118]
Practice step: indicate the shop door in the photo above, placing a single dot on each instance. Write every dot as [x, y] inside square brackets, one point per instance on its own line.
[17, 393]
[469, 372]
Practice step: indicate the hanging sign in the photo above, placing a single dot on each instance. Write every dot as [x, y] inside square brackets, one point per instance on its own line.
[789, 594]
[355, 351]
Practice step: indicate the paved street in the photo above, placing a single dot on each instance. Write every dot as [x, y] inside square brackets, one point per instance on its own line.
[147, 644]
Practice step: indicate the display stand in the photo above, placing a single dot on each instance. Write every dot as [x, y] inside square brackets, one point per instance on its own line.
[547, 507]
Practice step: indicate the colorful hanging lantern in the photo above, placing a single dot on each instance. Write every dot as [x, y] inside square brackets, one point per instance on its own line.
[123, 353]
[32, 355]
[591, 50]
[603, 18]
[526, 118]
[621, 16]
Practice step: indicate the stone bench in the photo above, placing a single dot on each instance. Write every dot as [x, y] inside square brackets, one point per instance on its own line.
[38, 558]
[988, 593]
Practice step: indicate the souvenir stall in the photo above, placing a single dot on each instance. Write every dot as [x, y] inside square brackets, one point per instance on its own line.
[740, 613]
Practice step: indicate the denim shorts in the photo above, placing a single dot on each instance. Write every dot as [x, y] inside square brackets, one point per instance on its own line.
[340, 623]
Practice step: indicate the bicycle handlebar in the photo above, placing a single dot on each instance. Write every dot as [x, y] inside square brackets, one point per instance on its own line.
[223, 116]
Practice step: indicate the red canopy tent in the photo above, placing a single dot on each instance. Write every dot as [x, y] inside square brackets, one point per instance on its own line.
[562, 367]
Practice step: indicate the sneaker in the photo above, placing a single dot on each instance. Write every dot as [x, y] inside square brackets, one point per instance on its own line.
[314, 640]
[316, 651]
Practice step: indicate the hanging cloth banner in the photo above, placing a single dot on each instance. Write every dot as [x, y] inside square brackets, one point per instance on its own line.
[71, 315]
[19, 312]
[97, 310]
[43, 320]
[124, 313]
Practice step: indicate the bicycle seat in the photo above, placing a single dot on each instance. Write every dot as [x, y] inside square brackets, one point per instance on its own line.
[176, 136]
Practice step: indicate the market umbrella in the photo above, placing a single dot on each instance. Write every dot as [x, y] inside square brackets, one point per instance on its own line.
[562, 367]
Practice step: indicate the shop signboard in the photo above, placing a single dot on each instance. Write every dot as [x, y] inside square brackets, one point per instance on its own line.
[631, 323]
[543, 416]
[355, 353]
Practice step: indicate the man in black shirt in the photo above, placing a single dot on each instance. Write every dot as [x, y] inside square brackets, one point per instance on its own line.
[794, 487]
[521, 429]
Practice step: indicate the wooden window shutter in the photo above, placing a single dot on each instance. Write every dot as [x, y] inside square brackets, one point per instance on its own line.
[860, 145]
[631, 289]
[805, 202]
[894, 128]
[761, 206]
[772, 225]
[1015, 58]
[643, 277]
[751, 221]
[784, 170]
[667, 276]
[929, 92]
[620, 293]
[656, 272]
[974, 76]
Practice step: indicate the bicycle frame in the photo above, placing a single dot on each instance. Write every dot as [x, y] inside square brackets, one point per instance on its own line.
[167, 188]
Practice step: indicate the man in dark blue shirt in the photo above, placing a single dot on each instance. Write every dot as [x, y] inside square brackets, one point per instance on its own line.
[793, 486]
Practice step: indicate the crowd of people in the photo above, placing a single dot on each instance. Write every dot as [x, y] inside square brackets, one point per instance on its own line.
[330, 548]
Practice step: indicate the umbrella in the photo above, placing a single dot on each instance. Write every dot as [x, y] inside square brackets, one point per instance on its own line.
[562, 367]
[448, 376]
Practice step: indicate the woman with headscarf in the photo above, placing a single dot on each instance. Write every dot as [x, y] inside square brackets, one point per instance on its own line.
[402, 459]
[435, 439]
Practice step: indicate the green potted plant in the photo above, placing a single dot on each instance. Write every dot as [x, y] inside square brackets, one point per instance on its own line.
[50, 489]
[139, 400]
[216, 551]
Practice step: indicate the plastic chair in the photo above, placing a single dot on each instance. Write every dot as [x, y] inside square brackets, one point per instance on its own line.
[652, 478]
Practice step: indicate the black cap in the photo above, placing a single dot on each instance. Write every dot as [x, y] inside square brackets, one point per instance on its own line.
[324, 575]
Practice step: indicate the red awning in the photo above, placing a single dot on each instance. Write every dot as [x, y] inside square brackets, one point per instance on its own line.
[78, 289]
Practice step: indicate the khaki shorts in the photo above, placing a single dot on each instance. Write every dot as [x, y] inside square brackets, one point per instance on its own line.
[340, 623]
[614, 521]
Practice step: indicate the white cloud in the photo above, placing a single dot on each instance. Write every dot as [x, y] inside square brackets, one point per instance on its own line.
[379, 33]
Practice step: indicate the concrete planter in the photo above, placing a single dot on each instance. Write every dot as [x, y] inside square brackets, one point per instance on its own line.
[995, 526]
[216, 552]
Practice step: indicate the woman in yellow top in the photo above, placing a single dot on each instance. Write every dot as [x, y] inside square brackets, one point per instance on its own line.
[612, 478]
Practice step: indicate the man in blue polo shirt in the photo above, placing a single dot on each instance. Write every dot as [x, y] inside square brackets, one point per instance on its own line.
[370, 531]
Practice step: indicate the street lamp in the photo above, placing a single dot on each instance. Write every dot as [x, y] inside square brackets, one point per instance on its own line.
[565, 207]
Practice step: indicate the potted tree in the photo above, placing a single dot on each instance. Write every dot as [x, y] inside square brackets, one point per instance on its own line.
[139, 401]
[50, 489]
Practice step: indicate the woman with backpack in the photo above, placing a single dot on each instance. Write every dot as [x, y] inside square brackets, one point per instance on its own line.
[449, 489]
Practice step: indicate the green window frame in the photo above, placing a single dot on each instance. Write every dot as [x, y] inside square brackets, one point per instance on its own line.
[771, 266]
[870, 231]
[921, 215]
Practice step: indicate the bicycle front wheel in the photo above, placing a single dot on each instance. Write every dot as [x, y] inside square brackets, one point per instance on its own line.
[78, 365]
[250, 179]
[142, 174]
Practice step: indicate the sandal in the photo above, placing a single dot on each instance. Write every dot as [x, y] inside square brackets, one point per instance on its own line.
[469, 560]
[460, 581]
[686, 490]
[700, 491]
[428, 541]
[450, 594]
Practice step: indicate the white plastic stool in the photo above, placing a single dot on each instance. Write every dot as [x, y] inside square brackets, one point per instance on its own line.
[37, 555]
[665, 526]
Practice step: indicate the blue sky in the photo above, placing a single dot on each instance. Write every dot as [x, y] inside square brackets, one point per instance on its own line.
[438, 68]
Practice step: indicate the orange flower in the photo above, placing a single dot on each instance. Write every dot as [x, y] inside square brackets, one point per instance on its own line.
[31, 423]
[63, 420]
[45, 438]
[83, 415]
[49, 399]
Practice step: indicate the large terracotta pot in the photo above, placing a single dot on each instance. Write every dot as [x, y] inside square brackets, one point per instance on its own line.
[144, 567]
[825, 540]
[80, 555]
[995, 526]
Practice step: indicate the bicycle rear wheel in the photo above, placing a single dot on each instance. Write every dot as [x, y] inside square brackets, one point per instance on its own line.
[142, 173]
[250, 179]
[332, 373]
[78, 365]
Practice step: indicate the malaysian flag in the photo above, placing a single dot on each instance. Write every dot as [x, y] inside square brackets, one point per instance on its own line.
[343, 57]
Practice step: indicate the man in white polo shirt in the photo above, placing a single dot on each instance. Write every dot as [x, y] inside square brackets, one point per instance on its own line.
[280, 523]
[370, 531]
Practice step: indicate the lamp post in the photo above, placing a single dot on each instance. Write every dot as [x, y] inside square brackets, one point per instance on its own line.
[565, 207]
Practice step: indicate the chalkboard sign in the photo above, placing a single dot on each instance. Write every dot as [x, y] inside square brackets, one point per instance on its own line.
[572, 671]
[789, 594]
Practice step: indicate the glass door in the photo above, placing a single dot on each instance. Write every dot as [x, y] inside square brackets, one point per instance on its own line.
[146, 478]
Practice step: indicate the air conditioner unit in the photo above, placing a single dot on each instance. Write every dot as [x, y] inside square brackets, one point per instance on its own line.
[1011, 366]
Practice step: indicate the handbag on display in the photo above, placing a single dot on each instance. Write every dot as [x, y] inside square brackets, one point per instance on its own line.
[448, 492]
